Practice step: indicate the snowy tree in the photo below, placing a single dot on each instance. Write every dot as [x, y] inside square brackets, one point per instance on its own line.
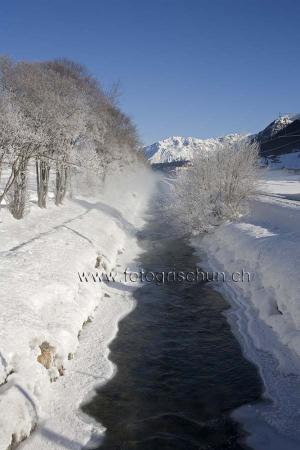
[25, 90]
[214, 189]
[56, 114]
[18, 143]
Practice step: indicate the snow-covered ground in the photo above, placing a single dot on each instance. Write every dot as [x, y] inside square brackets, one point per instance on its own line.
[265, 312]
[266, 243]
[289, 161]
[44, 306]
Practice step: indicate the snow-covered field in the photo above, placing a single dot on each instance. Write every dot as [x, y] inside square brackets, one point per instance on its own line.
[290, 161]
[265, 312]
[44, 306]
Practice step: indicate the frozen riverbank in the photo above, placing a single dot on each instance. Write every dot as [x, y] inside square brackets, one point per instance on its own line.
[265, 312]
[64, 426]
[44, 306]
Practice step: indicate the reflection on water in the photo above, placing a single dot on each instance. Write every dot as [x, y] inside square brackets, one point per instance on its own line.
[180, 369]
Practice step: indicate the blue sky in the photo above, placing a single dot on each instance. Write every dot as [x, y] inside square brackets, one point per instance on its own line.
[186, 67]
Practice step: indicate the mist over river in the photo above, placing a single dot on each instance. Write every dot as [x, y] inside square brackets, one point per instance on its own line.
[180, 370]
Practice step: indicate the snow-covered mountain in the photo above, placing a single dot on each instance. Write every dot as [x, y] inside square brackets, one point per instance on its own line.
[274, 127]
[280, 137]
[177, 148]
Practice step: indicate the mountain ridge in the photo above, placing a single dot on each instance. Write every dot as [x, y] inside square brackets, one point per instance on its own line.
[179, 148]
[277, 134]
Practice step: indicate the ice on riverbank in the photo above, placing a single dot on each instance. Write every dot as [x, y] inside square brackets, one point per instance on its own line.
[44, 305]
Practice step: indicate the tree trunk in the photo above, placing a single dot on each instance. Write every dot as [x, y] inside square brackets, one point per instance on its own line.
[42, 181]
[61, 183]
[18, 204]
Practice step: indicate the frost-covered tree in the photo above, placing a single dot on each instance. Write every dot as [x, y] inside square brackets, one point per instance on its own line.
[55, 114]
[27, 85]
[215, 187]
[109, 135]
[18, 141]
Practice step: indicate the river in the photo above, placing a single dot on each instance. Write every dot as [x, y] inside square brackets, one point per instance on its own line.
[180, 370]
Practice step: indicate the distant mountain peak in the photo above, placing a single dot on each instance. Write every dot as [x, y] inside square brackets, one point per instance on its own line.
[274, 127]
[178, 148]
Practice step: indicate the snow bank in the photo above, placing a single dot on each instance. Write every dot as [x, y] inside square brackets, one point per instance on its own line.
[43, 303]
[273, 261]
[266, 244]
[265, 313]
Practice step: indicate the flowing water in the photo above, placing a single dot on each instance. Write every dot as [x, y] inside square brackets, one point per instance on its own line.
[180, 369]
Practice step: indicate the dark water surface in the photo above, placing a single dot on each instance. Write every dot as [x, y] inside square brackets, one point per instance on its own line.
[180, 369]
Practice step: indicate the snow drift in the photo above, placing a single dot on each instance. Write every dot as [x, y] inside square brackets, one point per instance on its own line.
[43, 303]
[266, 243]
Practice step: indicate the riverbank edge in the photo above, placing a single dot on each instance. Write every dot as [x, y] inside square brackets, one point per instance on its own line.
[267, 423]
[36, 399]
